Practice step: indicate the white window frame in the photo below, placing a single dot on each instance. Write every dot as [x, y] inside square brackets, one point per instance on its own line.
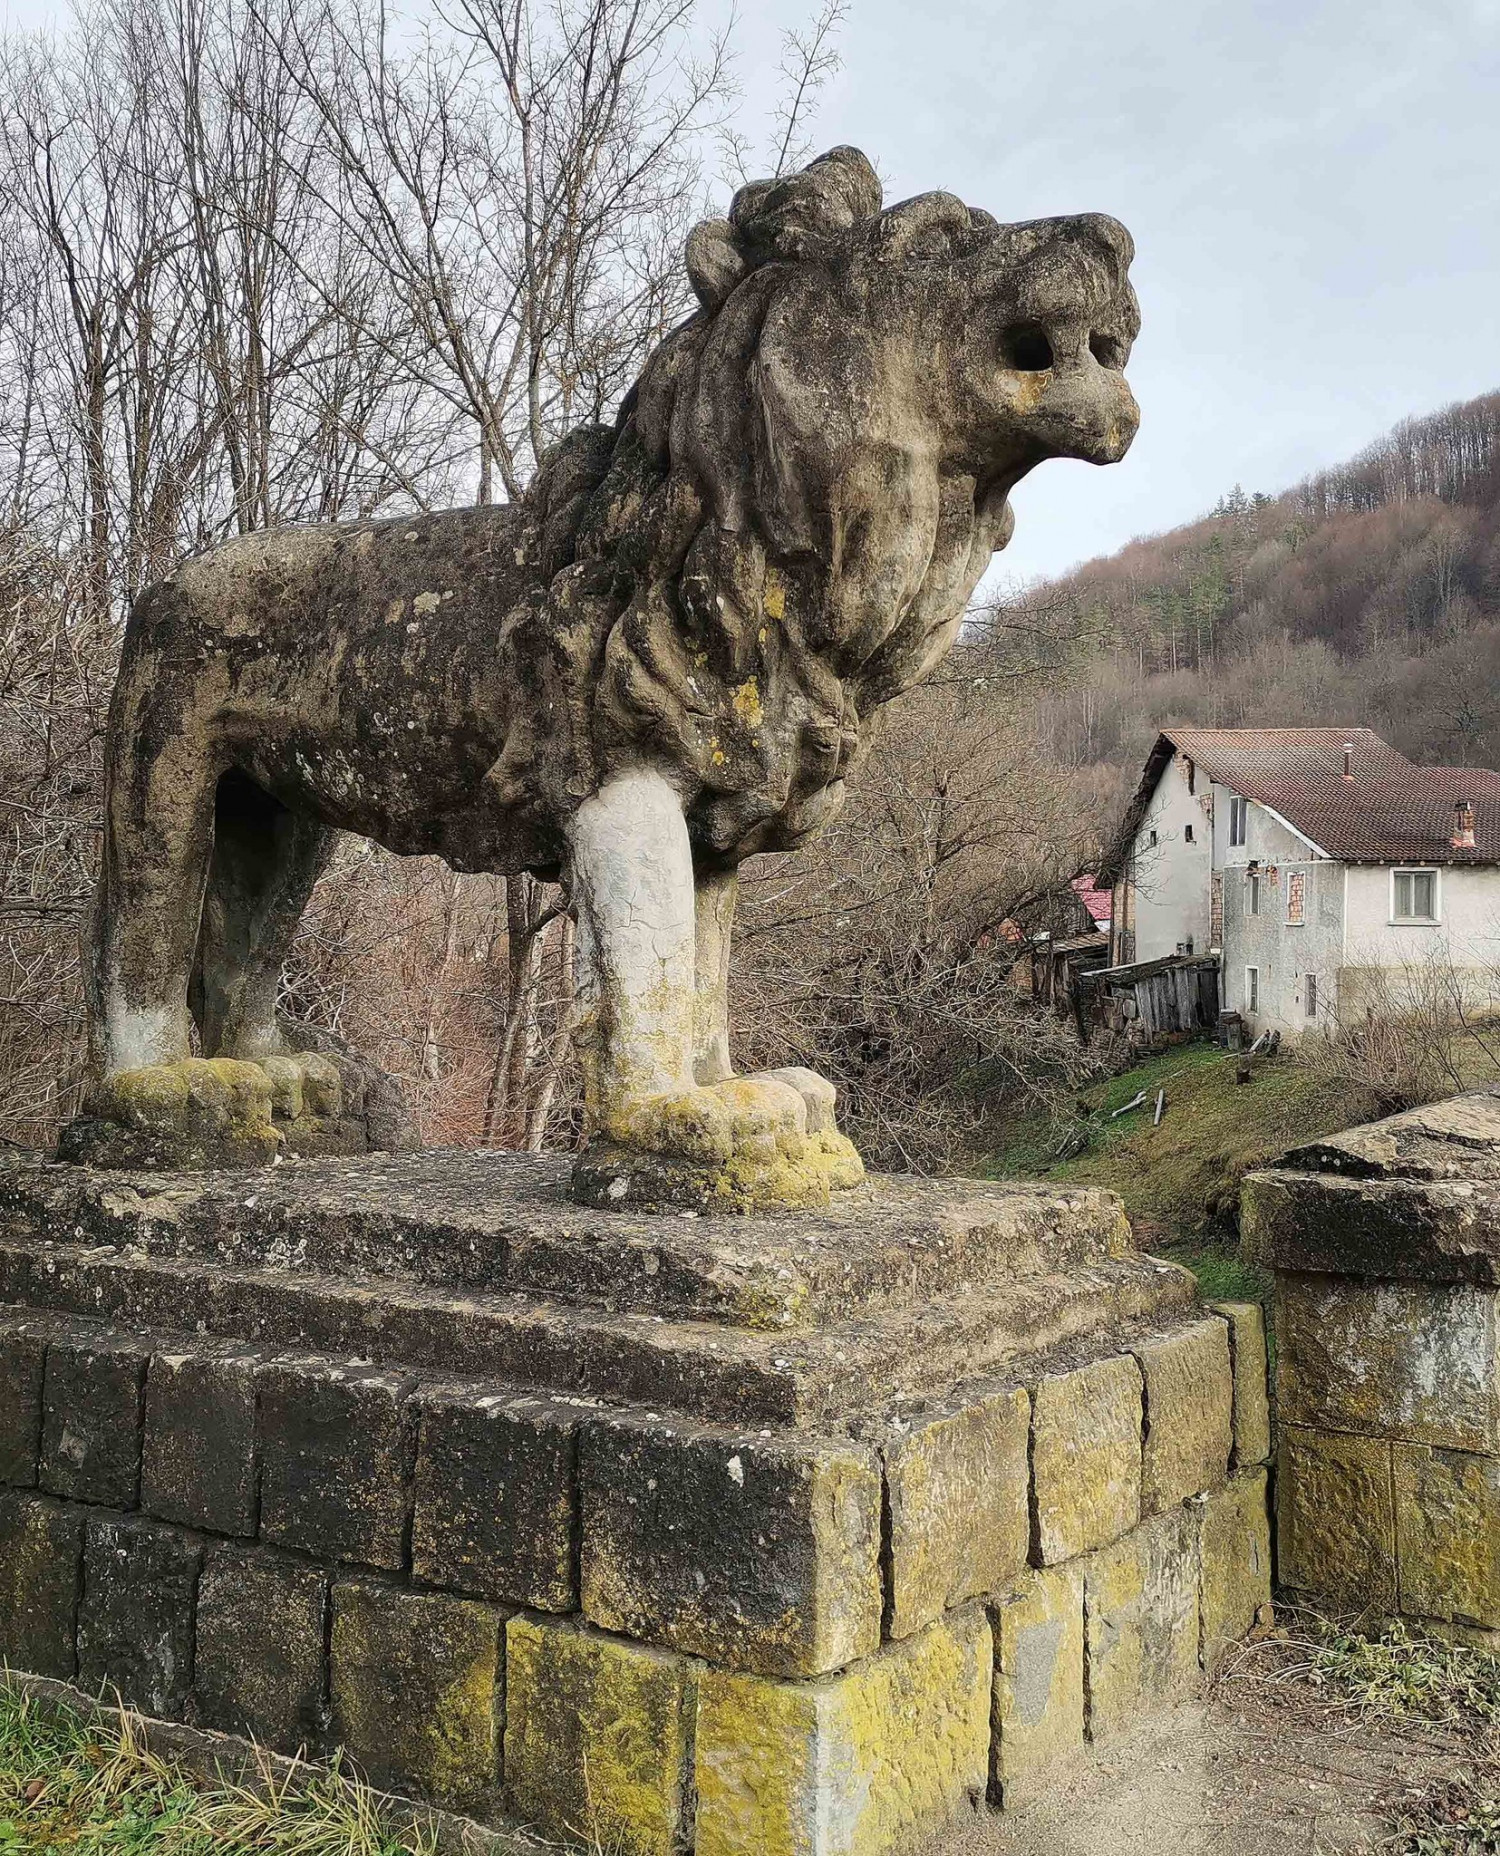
[1252, 989]
[1239, 820]
[1418, 921]
[1252, 893]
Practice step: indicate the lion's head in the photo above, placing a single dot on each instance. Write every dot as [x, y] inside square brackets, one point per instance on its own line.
[785, 524]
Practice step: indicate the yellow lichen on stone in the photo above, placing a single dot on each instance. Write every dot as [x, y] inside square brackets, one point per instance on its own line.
[1335, 1516]
[1189, 1411]
[747, 703]
[597, 1742]
[1038, 1701]
[1252, 1405]
[1448, 1534]
[859, 1764]
[1235, 1550]
[1140, 1606]
[1086, 1456]
[773, 599]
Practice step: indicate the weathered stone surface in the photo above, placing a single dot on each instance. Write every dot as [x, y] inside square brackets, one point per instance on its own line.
[734, 1375]
[598, 1738]
[1336, 1523]
[1235, 1545]
[1252, 1404]
[416, 1687]
[91, 1418]
[41, 1560]
[198, 1464]
[336, 1444]
[1189, 1411]
[1448, 1534]
[23, 1349]
[759, 1553]
[1140, 1602]
[135, 1621]
[859, 1764]
[1086, 1456]
[958, 1489]
[496, 1500]
[262, 1629]
[1038, 1703]
[1409, 1360]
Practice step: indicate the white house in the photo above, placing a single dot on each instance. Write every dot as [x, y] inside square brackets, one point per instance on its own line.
[1309, 859]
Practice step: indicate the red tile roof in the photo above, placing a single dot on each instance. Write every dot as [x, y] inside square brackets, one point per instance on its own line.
[1388, 810]
[1100, 903]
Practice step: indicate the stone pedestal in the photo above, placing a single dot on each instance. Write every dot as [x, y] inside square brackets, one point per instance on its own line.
[796, 1534]
[1386, 1246]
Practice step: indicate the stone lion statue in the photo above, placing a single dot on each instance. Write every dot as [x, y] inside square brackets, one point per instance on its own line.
[667, 657]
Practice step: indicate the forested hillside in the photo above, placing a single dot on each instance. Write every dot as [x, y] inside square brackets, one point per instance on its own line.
[1370, 593]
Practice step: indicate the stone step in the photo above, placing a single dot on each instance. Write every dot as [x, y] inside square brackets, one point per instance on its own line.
[464, 1220]
[819, 1377]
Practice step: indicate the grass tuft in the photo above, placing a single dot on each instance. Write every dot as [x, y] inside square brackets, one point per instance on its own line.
[91, 1786]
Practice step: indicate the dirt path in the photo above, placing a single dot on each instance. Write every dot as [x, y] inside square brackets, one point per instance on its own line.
[1265, 1766]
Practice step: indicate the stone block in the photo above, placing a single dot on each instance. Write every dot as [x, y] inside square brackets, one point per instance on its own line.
[1252, 1404]
[336, 1449]
[1140, 1609]
[41, 1558]
[23, 1352]
[1189, 1412]
[598, 1738]
[135, 1621]
[1448, 1534]
[1235, 1545]
[759, 1553]
[91, 1418]
[495, 1504]
[860, 1764]
[198, 1461]
[1038, 1703]
[1086, 1457]
[1414, 1361]
[1336, 1523]
[262, 1632]
[958, 1489]
[416, 1690]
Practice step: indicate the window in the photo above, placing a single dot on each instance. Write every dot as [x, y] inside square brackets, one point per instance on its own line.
[1252, 989]
[1296, 897]
[1239, 818]
[1192, 777]
[1414, 895]
[1187, 834]
[1310, 994]
[1252, 895]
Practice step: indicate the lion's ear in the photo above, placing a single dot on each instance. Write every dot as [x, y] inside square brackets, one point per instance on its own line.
[714, 262]
[933, 225]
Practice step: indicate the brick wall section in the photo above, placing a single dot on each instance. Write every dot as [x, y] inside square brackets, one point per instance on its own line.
[320, 1553]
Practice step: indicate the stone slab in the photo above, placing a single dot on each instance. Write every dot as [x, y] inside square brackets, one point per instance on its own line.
[1141, 1623]
[1336, 1523]
[41, 1566]
[1448, 1534]
[1188, 1385]
[91, 1417]
[135, 1619]
[757, 1552]
[198, 1462]
[1252, 1403]
[491, 1221]
[1409, 1360]
[416, 1687]
[598, 1739]
[861, 1764]
[958, 1505]
[495, 1503]
[1086, 1456]
[706, 1369]
[1235, 1550]
[262, 1632]
[1038, 1703]
[23, 1352]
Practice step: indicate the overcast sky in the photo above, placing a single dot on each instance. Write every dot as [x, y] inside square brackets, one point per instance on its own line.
[1313, 187]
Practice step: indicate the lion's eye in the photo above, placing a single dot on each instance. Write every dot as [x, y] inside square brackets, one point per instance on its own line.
[1026, 348]
[1106, 350]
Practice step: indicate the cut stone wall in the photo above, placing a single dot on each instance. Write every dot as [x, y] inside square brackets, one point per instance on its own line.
[622, 1622]
[1386, 1246]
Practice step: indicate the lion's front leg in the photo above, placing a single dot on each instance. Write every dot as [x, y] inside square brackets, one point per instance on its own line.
[662, 1134]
